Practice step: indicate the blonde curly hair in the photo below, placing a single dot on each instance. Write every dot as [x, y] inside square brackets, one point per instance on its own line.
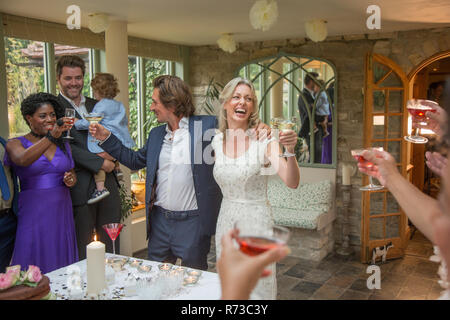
[105, 84]
[226, 95]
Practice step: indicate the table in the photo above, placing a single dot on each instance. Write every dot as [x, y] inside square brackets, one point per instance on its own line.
[207, 287]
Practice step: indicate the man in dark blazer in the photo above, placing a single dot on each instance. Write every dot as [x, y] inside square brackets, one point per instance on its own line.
[8, 208]
[305, 108]
[70, 72]
[182, 198]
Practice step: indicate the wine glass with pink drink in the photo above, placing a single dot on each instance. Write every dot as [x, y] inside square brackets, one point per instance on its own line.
[357, 154]
[418, 108]
[113, 231]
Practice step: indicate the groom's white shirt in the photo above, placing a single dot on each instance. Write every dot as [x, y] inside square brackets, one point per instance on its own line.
[174, 182]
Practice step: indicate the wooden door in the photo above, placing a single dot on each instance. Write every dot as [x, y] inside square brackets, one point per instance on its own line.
[385, 124]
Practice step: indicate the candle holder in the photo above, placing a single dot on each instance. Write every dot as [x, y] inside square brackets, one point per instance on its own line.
[345, 249]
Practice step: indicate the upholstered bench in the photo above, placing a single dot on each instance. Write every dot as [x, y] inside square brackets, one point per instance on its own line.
[308, 212]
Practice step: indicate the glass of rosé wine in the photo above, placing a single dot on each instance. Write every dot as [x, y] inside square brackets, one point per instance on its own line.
[254, 240]
[357, 154]
[113, 231]
[418, 108]
[70, 115]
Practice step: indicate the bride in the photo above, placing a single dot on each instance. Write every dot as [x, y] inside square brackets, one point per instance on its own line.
[242, 165]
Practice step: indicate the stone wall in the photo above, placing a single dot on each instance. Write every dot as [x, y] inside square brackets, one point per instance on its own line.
[347, 53]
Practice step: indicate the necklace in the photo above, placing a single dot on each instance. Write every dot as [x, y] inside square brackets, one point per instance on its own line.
[34, 134]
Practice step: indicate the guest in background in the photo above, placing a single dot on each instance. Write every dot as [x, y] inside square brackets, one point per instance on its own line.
[89, 218]
[322, 108]
[8, 210]
[305, 105]
[435, 92]
[43, 162]
[115, 119]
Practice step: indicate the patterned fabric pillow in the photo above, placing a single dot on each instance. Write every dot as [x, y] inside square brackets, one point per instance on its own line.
[308, 196]
[295, 218]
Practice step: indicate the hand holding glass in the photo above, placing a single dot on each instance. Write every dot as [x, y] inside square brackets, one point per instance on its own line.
[357, 154]
[254, 240]
[94, 118]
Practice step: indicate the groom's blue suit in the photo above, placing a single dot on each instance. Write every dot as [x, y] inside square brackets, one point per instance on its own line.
[192, 248]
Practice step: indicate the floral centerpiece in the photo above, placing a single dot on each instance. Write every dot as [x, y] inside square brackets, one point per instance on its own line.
[15, 277]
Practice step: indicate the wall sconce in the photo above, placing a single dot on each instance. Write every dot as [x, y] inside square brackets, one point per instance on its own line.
[316, 30]
[98, 22]
[263, 14]
[227, 43]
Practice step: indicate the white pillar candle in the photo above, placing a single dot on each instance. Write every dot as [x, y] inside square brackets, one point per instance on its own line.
[346, 174]
[95, 254]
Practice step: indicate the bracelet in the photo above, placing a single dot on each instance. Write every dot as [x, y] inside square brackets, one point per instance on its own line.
[51, 138]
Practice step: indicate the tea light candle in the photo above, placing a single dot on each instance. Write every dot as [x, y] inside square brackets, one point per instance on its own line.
[191, 280]
[194, 273]
[135, 263]
[144, 269]
[95, 255]
[165, 267]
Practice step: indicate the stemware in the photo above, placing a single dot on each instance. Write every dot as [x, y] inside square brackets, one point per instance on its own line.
[94, 118]
[70, 115]
[254, 240]
[417, 108]
[113, 231]
[286, 126]
[357, 154]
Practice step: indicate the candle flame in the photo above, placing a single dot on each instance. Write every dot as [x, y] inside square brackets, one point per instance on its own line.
[95, 237]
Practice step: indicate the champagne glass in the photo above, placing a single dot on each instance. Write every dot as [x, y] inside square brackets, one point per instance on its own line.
[70, 115]
[357, 154]
[417, 108]
[113, 231]
[94, 118]
[286, 126]
[254, 239]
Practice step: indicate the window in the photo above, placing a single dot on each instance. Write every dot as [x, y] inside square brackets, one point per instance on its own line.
[25, 75]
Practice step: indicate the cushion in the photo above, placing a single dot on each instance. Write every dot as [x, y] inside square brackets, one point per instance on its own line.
[295, 218]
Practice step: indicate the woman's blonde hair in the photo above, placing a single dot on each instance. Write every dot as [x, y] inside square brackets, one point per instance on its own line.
[226, 95]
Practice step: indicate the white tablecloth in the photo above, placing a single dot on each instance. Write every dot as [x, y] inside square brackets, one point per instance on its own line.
[207, 287]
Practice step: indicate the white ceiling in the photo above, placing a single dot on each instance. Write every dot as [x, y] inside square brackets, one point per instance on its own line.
[201, 22]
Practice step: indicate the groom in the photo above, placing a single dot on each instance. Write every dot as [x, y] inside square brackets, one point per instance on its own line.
[182, 198]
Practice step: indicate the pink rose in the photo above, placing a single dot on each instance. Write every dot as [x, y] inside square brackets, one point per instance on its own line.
[34, 274]
[6, 281]
[14, 273]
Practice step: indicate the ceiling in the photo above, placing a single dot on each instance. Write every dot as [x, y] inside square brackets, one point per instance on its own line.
[201, 22]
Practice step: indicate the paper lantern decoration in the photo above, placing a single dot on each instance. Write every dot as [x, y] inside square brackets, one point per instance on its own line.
[98, 22]
[316, 30]
[263, 14]
[227, 43]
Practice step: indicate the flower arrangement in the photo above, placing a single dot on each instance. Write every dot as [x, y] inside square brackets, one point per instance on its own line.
[227, 43]
[264, 14]
[15, 277]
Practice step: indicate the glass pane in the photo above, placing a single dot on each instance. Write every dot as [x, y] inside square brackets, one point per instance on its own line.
[379, 71]
[153, 69]
[393, 227]
[378, 101]
[392, 205]
[391, 81]
[395, 127]
[24, 76]
[396, 101]
[132, 98]
[394, 148]
[376, 226]
[376, 203]
[378, 127]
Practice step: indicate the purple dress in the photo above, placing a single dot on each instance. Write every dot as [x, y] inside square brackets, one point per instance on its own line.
[45, 226]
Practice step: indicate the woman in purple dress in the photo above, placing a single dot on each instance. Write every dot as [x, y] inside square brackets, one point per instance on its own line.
[43, 162]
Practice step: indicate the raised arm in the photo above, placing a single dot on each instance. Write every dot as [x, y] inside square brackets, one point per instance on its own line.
[134, 160]
[418, 206]
[286, 168]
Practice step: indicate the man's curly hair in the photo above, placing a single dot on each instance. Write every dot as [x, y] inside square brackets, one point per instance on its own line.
[34, 101]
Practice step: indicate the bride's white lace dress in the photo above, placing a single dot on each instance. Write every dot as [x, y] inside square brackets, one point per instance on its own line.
[244, 188]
